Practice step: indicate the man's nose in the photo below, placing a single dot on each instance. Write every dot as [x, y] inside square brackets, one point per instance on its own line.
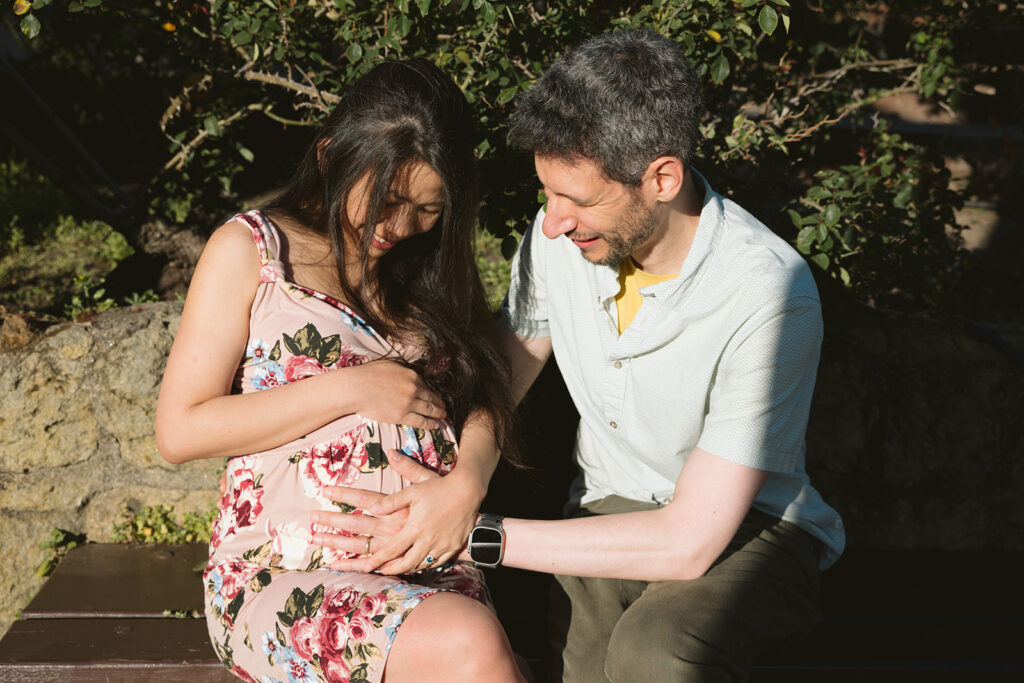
[558, 221]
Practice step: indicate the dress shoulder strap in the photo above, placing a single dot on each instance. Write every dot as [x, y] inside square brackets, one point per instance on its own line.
[264, 234]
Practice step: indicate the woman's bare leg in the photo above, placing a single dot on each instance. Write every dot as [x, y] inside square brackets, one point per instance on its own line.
[451, 637]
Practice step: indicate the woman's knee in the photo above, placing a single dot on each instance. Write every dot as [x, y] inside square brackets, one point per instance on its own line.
[451, 637]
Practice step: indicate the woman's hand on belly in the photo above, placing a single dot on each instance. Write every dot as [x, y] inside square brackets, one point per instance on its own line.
[388, 391]
[431, 519]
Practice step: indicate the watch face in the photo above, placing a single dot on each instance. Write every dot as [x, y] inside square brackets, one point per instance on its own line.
[486, 545]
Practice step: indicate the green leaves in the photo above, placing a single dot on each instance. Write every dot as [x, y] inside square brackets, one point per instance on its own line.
[768, 19]
[881, 227]
[719, 69]
[768, 131]
[30, 26]
[831, 216]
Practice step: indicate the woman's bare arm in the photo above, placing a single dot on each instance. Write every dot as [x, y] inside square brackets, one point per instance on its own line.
[198, 417]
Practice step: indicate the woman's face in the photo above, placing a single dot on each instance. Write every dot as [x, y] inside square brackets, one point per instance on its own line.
[413, 203]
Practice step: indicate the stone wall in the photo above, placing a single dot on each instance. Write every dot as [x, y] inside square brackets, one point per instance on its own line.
[76, 438]
[917, 432]
[916, 436]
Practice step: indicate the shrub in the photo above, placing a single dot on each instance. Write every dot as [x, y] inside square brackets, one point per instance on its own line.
[158, 524]
[789, 87]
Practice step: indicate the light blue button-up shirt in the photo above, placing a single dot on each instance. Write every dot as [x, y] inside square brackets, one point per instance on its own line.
[722, 357]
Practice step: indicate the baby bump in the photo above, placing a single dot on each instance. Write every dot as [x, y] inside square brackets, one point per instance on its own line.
[265, 511]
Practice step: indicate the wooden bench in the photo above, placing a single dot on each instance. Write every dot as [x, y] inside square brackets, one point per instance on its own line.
[900, 616]
[114, 612]
[931, 616]
[889, 616]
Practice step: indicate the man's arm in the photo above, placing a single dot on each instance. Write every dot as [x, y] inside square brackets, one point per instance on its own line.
[678, 541]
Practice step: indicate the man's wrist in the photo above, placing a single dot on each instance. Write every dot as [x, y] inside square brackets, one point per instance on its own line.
[486, 546]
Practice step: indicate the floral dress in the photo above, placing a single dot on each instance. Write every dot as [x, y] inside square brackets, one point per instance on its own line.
[274, 608]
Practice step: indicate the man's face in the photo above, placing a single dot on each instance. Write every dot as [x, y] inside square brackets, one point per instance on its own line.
[607, 220]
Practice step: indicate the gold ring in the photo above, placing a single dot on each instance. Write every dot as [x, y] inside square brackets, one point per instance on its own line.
[366, 551]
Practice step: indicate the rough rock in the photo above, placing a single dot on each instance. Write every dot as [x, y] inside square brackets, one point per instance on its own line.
[20, 536]
[916, 434]
[76, 438]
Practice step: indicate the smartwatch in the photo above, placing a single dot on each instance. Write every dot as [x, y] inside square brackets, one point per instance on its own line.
[487, 541]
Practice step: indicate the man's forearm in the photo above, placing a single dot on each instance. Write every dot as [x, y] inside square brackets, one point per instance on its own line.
[634, 545]
[678, 541]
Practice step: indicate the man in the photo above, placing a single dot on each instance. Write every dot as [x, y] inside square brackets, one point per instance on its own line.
[688, 336]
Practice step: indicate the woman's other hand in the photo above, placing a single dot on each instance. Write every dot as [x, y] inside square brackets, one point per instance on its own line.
[391, 392]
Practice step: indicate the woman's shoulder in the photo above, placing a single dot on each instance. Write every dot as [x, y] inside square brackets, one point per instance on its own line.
[232, 250]
[235, 236]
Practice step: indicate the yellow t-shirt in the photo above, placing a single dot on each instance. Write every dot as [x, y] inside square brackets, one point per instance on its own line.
[631, 281]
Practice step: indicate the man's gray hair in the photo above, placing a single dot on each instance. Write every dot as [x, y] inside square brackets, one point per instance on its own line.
[620, 99]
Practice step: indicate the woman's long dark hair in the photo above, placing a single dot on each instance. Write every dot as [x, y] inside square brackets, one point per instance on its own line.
[428, 288]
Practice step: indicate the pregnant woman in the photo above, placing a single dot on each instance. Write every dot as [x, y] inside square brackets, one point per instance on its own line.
[340, 327]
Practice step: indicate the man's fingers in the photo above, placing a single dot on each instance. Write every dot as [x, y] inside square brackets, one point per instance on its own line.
[409, 468]
[359, 498]
[412, 560]
[390, 504]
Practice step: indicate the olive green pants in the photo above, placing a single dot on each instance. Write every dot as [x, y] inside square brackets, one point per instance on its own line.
[762, 590]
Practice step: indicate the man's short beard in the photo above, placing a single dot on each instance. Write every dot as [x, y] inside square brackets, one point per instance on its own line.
[638, 226]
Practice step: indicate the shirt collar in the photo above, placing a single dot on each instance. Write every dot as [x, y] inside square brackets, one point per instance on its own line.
[709, 228]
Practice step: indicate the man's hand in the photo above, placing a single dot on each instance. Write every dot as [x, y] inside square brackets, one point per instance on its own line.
[431, 518]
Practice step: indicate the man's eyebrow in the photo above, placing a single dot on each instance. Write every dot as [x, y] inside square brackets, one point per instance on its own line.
[571, 198]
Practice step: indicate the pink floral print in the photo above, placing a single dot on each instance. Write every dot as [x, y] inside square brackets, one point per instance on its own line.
[275, 609]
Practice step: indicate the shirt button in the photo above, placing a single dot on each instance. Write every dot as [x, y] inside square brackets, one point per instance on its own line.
[614, 424]
[617, 364]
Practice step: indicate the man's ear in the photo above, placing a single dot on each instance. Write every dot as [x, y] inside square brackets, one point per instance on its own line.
[664, 178]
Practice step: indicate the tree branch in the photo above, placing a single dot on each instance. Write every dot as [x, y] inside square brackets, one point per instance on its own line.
[281, 81]
[178, 160]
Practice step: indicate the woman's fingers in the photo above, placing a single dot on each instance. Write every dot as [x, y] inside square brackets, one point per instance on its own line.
[355, 545]
[428, 406]
[416, 420]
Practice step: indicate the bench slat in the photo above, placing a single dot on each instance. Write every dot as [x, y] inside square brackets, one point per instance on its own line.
[122, 580]
[110, 649]
[982, 646]
[880, 673]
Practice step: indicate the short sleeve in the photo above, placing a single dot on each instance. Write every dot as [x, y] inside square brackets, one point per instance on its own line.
[525, 309]
[758, 406]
